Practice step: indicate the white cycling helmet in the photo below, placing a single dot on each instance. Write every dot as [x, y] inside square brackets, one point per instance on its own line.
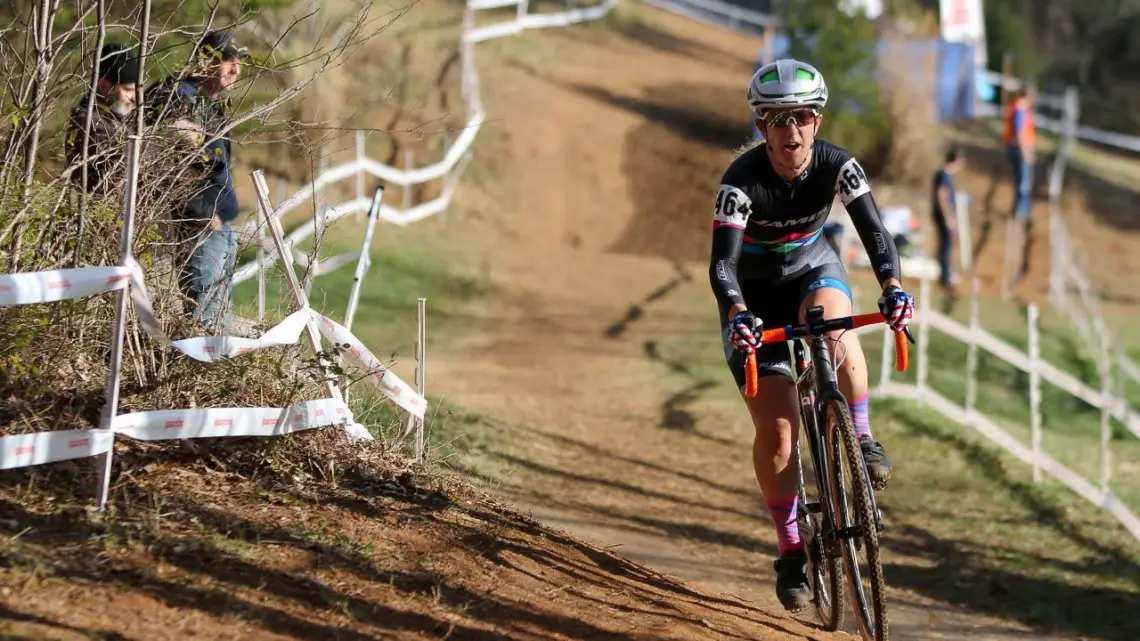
[786, 83]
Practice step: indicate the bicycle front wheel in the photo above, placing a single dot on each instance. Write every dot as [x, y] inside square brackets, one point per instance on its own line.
[855, 516]
[824, 568]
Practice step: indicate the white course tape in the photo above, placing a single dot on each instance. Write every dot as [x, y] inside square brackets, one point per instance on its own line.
[286, 332]
[213, 348]
[210, 348]
[60, 284]
[22, 450]
[383, 378]
[43, 447]
[161, 425]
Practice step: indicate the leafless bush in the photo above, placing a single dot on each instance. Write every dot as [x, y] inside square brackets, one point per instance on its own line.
[54, 356]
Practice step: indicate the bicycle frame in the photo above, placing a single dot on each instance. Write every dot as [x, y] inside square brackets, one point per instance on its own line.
[815, 386]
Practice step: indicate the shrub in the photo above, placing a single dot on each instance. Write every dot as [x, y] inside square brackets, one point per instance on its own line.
[54, 355]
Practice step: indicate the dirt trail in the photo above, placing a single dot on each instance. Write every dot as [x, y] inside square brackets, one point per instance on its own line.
[589, 205]
[243, 550]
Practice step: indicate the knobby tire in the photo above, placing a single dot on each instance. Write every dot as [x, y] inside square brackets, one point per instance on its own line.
[828, 572]
[837, 415]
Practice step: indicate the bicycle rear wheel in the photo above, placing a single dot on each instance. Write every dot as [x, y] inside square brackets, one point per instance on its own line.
[855, 521]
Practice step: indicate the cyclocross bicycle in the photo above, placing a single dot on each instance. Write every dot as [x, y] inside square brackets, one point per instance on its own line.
[841, 520]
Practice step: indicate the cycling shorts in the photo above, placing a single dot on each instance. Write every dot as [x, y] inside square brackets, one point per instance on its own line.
[777, 303]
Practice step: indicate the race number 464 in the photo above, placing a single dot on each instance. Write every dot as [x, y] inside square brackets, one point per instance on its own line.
[732, 207]
[852, 182]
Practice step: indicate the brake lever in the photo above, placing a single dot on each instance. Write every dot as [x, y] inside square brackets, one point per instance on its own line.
[909, 336]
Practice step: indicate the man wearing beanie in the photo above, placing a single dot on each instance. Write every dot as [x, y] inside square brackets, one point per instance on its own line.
[114, 100]
[194, 106]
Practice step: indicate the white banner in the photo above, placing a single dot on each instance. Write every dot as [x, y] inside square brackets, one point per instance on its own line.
[383, 378]
[962, 20]
[22, 450]
[161, 425]
[61, 284]
[873, 8]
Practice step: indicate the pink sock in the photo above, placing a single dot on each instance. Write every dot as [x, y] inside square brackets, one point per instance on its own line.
[784, 518]
[861, 416]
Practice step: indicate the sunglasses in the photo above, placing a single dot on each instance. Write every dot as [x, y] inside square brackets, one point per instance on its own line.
[791, 118]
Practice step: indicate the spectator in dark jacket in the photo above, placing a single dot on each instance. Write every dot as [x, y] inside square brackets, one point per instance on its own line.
[944, 198]
[114, 101]
[195, 107]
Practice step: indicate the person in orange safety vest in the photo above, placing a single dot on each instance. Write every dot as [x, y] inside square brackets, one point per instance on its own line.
[1020, 139]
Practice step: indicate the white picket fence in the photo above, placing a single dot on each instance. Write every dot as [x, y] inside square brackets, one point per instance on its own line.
[128, 282]
[450, 168]
[926, 319]
[1069, 288]
[1072, 294]
[719, 13]
[1047, 103]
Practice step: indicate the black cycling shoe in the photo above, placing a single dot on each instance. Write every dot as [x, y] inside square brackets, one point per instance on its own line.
[792, 587]
[878, 465]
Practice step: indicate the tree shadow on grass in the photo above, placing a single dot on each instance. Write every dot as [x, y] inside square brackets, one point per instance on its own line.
[962, 572]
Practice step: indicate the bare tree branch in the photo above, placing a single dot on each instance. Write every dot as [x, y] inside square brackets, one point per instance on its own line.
[46, 18]
[83, 196]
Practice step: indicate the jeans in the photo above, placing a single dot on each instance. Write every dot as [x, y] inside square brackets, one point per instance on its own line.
[1022, 182]
[945, 240]
[207, 276]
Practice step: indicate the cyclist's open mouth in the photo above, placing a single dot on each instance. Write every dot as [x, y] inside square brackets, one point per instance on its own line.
[791, 147]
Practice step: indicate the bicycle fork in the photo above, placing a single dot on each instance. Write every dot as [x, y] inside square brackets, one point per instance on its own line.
[809, 428]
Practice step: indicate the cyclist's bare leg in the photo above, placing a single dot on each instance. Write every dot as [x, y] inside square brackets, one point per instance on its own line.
[775, 417]
[853, 379]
